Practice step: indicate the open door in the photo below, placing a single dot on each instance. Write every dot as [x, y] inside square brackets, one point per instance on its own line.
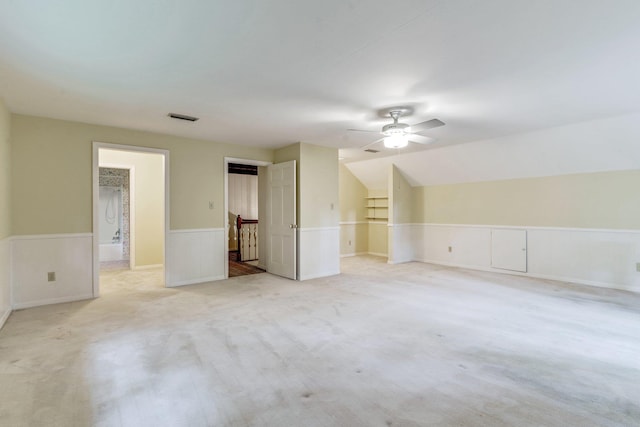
[281, 217]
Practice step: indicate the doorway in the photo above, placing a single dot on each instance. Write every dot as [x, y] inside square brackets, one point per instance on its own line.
[130, 217]
[244, 233]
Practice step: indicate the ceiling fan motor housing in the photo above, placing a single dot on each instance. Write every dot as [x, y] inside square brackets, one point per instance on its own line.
[396, 129]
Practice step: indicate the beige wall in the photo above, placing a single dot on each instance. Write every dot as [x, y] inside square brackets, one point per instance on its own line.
[378, 238]
[5, 212]
[597, 200]
[148, 230]
[352, 196]
[316, 183]
[400, 198]
[354, 238]
[52, 168]
[319, 196]
[5, 172]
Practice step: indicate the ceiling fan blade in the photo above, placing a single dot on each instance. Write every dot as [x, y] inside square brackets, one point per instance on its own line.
[371, 143]
[362, 130]
[429, 124]
[419, 139]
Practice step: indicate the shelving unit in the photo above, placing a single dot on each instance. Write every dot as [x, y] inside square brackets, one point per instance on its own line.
[377, 208]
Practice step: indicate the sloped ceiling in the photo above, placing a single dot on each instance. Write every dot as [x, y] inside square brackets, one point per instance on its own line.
[595, 146]
[270, 73]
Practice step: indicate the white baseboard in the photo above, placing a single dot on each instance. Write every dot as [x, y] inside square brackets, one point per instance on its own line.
[376, 254]
[49, 301]
[148, 267]
[533, 275]
[320, 275]
[353, 254]
[4, 317]
[196, 281]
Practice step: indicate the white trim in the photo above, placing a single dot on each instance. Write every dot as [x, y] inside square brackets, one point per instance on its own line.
[318, 275]
[310, 229]
[353, 222]
[400, 225]
[247, 161]
[196, 230]
[378, 254]
[5, 316]
[526, 227]
[147, 267]
[524, 274]
[53, 301]
[96, 145]
[49, 236]
[197, 281]
[347, 255]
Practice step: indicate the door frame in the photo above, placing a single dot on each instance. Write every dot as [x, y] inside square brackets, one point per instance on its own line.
[225, 212]
[95, 204]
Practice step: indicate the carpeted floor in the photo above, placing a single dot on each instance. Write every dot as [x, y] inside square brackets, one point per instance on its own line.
[378, 345]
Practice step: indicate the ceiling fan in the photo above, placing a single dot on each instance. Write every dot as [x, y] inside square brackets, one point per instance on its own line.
[398, 135]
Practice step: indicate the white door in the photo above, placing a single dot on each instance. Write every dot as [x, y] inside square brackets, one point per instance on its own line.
[509, 249]
[281, 210]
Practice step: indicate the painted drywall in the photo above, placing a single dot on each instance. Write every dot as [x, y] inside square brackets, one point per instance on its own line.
[319, 195]
[49, 154]
[607, 144]
[400, 213]
[316, 183]
[5, 213]
[378, 238]
[5, 171]
[400, 198]
[354, 229]
[605, 200]
[352, 196]
[148, 230]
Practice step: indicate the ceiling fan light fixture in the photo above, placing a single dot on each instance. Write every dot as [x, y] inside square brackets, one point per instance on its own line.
[396, 141]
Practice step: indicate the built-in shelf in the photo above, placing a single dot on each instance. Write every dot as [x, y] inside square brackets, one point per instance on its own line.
[377, 208]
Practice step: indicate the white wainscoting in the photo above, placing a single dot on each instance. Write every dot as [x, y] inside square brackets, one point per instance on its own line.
[353, 234]
[401, 248]
[68, 255]
[319, 252]
[605, 258]
[5, 280]
[195, 256]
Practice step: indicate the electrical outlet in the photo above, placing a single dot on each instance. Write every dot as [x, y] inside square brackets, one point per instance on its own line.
[349, 242]
[450, 249]
[51, 276]
[210, 205]
[637, 266]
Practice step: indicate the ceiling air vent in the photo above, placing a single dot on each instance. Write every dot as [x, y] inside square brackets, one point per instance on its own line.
[183, 117]
[371, 150]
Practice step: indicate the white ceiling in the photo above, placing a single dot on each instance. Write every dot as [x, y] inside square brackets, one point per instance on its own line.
[270, 73]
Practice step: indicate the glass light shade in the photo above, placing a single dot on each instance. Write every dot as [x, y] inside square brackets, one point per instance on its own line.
[396, 141]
